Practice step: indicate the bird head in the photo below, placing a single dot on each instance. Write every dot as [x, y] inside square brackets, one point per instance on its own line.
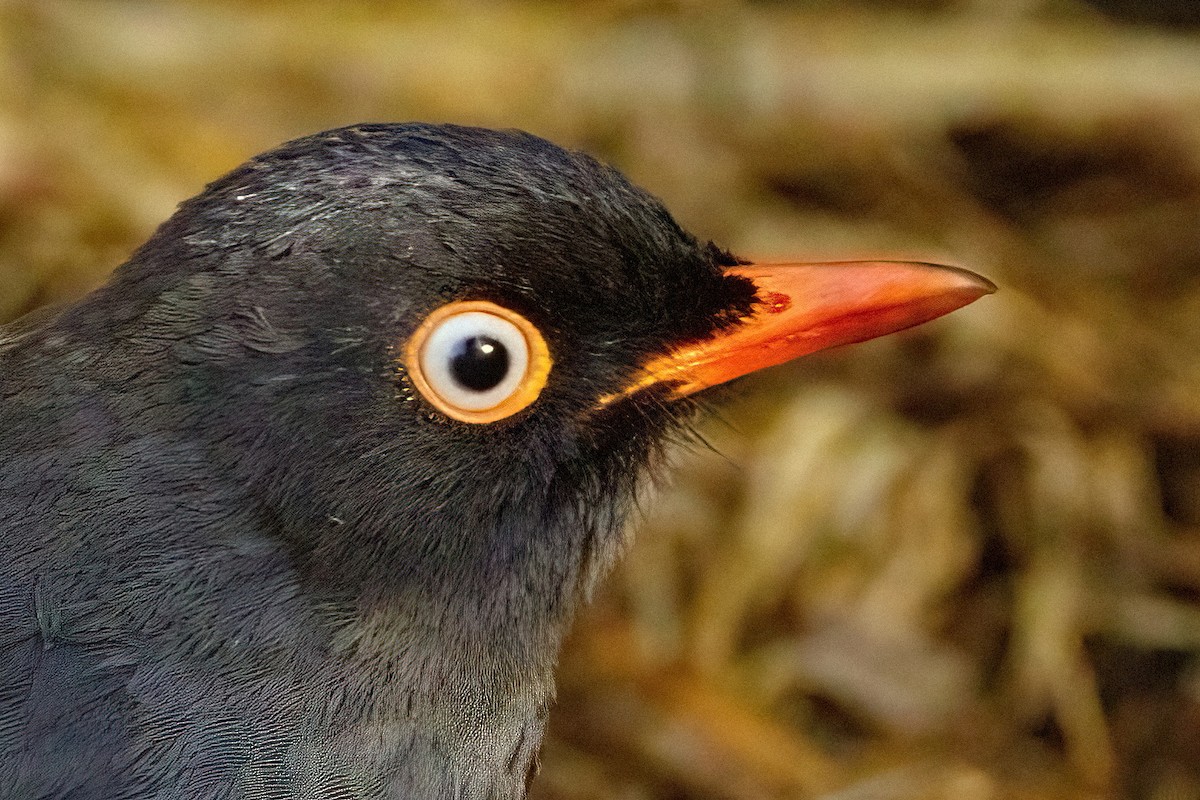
[438, 360]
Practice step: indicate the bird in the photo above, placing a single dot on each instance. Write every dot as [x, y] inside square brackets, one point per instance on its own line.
[301, 502]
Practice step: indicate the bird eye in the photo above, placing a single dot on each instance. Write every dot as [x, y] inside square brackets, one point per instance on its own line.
[477, 362]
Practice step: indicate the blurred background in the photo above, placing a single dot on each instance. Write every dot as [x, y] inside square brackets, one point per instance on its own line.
[962, 562]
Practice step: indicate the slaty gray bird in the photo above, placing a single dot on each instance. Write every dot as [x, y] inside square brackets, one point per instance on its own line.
[300, 503]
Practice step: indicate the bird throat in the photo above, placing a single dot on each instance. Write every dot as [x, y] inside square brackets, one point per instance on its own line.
[455, 666]
[468, 705]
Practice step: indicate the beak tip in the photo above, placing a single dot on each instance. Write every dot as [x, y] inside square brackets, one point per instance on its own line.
[942, 289]
[974, 284]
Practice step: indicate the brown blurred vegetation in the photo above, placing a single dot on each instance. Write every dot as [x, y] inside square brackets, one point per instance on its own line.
[962, 562]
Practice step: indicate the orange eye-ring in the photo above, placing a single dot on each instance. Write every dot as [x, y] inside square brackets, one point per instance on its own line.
[477, 362]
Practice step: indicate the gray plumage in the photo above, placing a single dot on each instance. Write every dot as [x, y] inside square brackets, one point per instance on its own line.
[240, 558]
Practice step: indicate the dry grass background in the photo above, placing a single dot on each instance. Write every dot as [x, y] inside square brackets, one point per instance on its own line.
[959, 563]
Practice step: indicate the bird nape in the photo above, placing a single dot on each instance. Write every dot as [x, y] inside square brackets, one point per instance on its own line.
[300, 503]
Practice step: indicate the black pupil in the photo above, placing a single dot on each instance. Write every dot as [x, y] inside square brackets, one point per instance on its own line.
[479, 363]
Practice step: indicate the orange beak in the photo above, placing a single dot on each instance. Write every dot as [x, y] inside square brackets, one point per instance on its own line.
[803, 308]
